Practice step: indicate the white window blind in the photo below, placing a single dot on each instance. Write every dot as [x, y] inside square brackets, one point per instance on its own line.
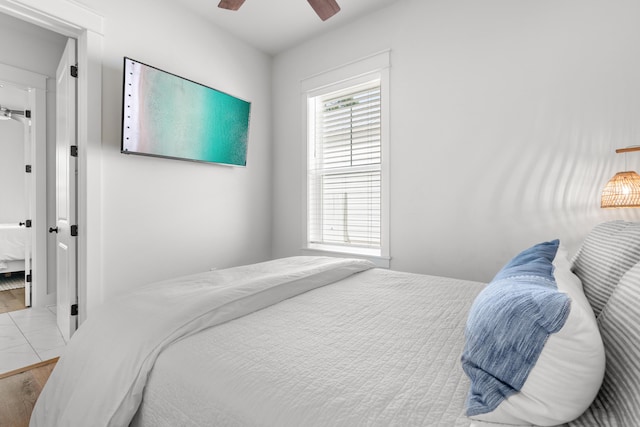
[344, 170]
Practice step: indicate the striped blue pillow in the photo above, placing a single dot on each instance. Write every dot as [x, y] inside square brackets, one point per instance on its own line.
[617, 402]
[608, 251]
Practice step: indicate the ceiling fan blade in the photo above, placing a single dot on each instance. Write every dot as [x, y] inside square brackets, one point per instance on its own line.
[230, 4]
[325, 8]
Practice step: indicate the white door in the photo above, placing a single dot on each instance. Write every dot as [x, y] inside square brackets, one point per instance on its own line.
[66, 171]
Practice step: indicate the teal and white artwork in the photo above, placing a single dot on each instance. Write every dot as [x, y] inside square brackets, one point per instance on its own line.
[169, 116]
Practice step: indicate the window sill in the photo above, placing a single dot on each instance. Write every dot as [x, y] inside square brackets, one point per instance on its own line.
[336, 251]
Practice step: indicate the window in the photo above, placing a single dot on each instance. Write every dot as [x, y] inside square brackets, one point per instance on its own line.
[346, 169]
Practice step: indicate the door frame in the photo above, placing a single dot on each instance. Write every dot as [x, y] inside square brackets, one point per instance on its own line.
[86, 26]
[36, 87]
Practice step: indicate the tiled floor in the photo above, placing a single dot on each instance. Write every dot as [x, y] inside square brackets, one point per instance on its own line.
[28, 336]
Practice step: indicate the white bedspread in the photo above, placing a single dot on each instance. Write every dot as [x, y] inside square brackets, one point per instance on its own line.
[379, 348]
[12, 243]
[100, 378]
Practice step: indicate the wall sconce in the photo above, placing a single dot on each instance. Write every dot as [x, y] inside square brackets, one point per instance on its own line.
[623, 190]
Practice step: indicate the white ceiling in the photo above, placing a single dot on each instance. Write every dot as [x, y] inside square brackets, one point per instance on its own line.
[274, 25]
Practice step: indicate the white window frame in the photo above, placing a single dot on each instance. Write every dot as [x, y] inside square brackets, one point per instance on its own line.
[361, 71]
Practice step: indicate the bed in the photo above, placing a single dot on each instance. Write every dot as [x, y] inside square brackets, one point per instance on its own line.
[314, 341]
[12, 248]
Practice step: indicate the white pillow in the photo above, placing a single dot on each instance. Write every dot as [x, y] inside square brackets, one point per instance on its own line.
[569, 371]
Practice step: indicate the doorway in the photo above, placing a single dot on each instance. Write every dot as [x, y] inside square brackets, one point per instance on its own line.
[86, 26]
[31, 329]
[73, 21]
[15, 290]
[27, 72]
[23, 240]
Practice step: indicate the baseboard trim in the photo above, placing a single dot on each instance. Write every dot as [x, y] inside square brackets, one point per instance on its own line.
[28, 368]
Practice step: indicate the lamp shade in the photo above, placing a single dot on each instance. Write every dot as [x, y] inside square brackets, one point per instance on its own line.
[622, 191]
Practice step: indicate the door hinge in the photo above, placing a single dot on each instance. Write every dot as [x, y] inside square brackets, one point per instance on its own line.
[27, 168]
[28, 278]
[74, 71]
[74, 230]
[74, 309]
[74, 151]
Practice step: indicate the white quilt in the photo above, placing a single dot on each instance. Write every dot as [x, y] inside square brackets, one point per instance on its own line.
[100, 378]
[379, 348]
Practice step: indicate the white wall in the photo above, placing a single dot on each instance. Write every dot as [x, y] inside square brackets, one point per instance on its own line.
[504, 120]
[165, 218]
[12, 191]
[30, 47]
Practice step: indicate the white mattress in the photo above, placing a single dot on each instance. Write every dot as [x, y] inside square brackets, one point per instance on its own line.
[380, 348]
[12, 243]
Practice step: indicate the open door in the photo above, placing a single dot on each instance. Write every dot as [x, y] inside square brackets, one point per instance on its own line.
[66, 175]
[30, 192]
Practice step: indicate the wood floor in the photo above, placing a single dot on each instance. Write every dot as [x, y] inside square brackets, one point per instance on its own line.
[19, 391]
[12, 300]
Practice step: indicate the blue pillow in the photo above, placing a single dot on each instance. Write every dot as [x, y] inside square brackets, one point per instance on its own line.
[533, 349]
[538, 267]
[531, 261]
[508, 325]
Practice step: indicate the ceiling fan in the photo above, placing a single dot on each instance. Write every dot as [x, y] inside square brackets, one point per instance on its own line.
[324, 8]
